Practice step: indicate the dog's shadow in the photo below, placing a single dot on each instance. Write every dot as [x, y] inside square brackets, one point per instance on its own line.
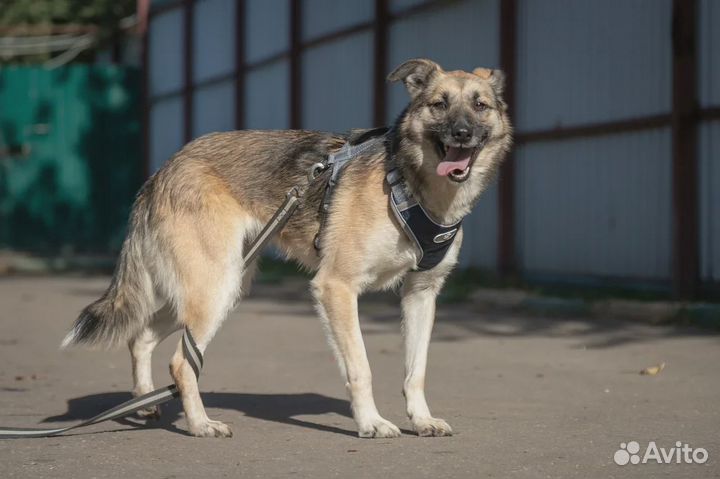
[281, 408]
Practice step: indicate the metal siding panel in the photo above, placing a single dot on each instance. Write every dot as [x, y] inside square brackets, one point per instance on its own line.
[397, 5]
[267, 28]
[166, 127]
[266, 96]
[462, 35]
[321, 17]
[214, 108]
[166, 57]
[479, 247]
[710, 200]
[213, 39]
[598, 206]
[585, 62]
[709, 46]
[337, 84]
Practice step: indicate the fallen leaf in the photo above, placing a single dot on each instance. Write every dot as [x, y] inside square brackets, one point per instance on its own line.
[653, 370]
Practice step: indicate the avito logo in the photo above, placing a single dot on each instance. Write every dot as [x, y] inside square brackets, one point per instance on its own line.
[680, 454]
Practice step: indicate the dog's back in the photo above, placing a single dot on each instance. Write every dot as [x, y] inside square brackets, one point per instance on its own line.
[215, 181]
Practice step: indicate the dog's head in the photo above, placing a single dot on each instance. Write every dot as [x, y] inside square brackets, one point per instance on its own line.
[457, 114]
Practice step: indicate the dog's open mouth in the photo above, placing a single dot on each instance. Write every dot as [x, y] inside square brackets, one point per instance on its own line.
[456, 162]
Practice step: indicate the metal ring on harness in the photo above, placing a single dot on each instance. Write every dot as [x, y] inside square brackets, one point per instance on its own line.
[316, 170]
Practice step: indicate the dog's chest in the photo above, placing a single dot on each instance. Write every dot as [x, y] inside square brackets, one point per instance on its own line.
[388, 257]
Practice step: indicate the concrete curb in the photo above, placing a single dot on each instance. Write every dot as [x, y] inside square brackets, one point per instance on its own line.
[19, 263]
[651, 312]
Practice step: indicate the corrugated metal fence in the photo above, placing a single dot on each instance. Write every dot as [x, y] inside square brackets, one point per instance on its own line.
[593, 184]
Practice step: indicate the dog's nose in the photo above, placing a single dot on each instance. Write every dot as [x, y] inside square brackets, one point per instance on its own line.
[461, 134]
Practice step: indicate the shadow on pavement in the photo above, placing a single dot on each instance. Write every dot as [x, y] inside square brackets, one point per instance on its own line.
[280, 408]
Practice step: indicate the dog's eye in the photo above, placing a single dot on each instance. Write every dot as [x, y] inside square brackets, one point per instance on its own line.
[438, 105]
[481, 105]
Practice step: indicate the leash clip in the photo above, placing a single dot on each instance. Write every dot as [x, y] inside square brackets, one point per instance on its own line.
[316, 170]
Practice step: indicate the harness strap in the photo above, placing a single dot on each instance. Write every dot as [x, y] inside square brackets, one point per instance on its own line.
[432, 240]
[337, 162]
[192, 355]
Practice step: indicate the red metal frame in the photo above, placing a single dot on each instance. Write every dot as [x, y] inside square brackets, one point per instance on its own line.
[143, 11]
[596, 129]
[686, 264]
[380, 65]
[295, 63]
[240, 64]
[188, 10]
[507, 263]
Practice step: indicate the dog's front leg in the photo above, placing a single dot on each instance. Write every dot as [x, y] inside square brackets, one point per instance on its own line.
[337, 304]
[418, 304]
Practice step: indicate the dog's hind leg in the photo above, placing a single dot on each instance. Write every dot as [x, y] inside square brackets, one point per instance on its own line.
[202, 311]
[208, 265]
[161, 325]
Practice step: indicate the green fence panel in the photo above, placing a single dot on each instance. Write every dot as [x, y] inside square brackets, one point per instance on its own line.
[70, 157]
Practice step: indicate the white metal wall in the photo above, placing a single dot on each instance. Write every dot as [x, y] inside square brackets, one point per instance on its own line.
[459, 35]
[602, 205]
[213, 66]
[599, 205]
[267, 102]
[337, 84]
[213, 39]
[709, 151]
[166, 65]
[585, 62]
[267, 28]
[267, 34]
[328, 16]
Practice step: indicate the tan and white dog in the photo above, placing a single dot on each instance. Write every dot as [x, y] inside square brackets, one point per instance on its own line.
[182, 262]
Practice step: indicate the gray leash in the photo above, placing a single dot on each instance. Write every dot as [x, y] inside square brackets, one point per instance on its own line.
[190, 349]
[159, 396]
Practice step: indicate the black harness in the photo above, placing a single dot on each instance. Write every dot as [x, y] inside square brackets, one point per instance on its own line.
[432, 240]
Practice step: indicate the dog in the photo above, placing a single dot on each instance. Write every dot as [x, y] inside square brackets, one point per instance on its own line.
[181, 264]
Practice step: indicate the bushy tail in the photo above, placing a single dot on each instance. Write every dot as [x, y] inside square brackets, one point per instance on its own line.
[123, 309]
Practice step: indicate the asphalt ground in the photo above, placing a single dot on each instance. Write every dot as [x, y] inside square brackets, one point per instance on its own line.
[527, 396]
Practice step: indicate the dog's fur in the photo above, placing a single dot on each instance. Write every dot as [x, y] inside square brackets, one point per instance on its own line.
[182, 262]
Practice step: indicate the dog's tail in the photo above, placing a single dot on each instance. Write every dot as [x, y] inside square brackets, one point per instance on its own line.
[125, 307]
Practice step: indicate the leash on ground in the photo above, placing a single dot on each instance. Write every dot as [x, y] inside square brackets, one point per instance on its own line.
[190, 349]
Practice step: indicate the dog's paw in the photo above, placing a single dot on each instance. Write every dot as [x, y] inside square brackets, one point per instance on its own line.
[430, 426]
[378, 427]
[152, 412]
[211, 429]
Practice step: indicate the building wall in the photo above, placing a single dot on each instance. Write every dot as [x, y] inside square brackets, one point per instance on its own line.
[585, 205]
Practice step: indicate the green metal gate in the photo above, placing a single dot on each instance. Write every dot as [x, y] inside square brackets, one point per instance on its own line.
[70, 157]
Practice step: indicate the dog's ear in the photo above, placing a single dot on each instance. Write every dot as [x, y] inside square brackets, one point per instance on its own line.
[495, 77]
[415, 74]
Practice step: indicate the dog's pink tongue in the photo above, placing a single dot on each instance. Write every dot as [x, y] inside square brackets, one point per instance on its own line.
[455, 159]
